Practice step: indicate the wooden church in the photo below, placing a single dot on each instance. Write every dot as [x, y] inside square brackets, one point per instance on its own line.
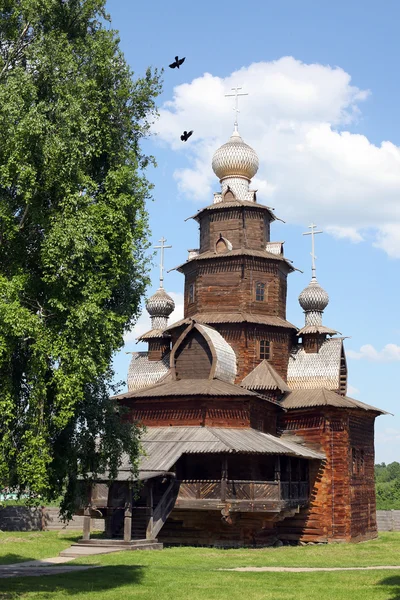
[250, 437]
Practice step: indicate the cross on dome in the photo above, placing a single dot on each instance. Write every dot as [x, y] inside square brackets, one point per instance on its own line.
[236, 107]
[162, 247]
[313, 299]
[313, 256]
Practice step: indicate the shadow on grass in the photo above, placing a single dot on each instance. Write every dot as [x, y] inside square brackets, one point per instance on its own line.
[80, 583]
[391, 582]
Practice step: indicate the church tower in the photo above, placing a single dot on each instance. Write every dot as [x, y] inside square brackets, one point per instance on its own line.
[236, 281]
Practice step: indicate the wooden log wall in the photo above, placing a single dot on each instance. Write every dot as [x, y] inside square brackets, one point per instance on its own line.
[158, 348]
[244, 338]
[228, 284]
[362, 481]
[336, 511]
[244, 228]
[211, 411]
[211, 528]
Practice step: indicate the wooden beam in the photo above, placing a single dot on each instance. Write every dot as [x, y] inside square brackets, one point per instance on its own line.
[150, 511]
[128, 516]
[86, 523]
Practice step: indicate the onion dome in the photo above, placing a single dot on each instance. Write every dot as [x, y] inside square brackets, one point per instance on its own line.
[159, 306]
[235, 159]
[313, 300]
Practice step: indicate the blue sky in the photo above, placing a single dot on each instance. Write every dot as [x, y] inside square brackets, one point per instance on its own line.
[322, 114]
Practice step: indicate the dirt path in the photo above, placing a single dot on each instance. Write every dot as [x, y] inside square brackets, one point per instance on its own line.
[36, 568]
[309, 569]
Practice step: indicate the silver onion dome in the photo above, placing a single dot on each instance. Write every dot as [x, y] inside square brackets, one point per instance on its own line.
[235, 159]
[313, 297]
[160, 304]
[313, 300]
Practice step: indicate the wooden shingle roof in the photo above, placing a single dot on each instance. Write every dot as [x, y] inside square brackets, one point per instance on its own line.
[264, 377]
[324, 397]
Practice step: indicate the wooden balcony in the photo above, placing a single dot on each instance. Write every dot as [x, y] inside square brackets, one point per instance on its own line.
[242, 495]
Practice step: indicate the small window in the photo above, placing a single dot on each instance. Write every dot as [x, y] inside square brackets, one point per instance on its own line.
[265, 349]
[354, 461]
[260, 291]
[191, 293]
[362, 463]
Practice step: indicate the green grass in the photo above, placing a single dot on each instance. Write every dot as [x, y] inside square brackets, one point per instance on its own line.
[19, 546]
[192, 573]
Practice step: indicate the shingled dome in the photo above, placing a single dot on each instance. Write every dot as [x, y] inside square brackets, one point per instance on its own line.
[313, 297]
[160, 304]
[235, 159]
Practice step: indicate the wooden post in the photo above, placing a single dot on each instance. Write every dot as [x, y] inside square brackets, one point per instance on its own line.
[86, 523]
[150, 511]
[86, 516]
[128, 516]
[224, 477]
[278, 475]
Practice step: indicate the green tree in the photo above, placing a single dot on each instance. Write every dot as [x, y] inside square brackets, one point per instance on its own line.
[73, 232]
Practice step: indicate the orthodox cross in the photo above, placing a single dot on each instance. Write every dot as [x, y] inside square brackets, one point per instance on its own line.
[236, 96]
[313, 257]
[162, 248]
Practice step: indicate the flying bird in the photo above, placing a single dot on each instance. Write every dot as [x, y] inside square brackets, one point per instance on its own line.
[186, 135]
[177, 62]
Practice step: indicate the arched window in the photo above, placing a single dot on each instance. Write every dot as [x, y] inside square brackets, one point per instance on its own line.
[265, 350]
[260, 291]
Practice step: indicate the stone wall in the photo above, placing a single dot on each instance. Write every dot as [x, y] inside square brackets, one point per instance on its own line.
[25, 518]
[388, 520]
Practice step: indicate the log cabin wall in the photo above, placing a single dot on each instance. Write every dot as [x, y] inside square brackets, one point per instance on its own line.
[339, 508]
[190, 411]
[245, 340]
[362, 480]
[328, 516]
[228, 284]
[243, 227]
[198, 411]
[210, 528]
[158, 348]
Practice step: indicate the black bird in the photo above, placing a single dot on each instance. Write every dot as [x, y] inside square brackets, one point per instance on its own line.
[186, 135]
[177, 62]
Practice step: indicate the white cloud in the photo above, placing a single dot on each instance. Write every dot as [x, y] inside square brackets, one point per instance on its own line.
[312, 167]
[349, 233]
[390, 353]
[352, 391]
[143, 324]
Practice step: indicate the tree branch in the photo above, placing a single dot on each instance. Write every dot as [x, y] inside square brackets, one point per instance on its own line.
[18, 48]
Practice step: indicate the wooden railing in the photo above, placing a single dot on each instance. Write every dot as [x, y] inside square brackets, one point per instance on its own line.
[228, 490]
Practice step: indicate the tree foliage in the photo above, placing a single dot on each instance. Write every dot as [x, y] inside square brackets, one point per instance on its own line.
[387, 479]
[73, 231]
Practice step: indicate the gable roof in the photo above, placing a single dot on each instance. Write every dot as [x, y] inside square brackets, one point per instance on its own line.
[318, 369]
[264, 377]
[324, 397]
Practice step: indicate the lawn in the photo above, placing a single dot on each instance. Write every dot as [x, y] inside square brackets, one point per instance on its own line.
[192, 573]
